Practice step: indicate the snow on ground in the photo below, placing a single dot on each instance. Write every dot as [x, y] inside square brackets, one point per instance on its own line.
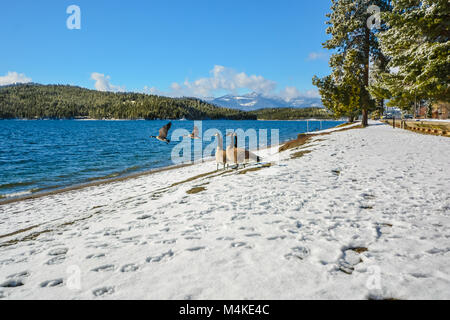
[365, 215]
[431, 120]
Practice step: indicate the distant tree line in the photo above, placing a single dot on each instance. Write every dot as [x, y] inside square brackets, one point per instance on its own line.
[35, 101]
[291, 113]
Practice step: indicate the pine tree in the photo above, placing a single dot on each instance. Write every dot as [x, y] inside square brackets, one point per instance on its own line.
[417, 42]
[352, 39]
[341, 91]
[377, 87]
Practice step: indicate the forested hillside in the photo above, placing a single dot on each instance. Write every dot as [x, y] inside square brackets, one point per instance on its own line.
[34, 101]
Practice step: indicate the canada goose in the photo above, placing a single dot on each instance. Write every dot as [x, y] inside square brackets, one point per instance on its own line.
[194, 134]
[163, 133]
[221, 156]
[229, 153]
[238, 155]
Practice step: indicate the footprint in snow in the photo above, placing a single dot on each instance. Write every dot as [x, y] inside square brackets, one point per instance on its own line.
[196, 249]
[276, 238]
[298, 253]
[19, 275]
[192, 238]
[106, 267]
[225, 239]
[251, 235]
[52, 283]
[95, 256]
[336, 172]
[129, 268]
[12, 283]
[384, 228]
[420, 275]
[134, 240]
[159, 258]
[97, 246]
[438, 251]
[238, 244]
[103, 291]
[6, 262]
[368, 196]
[58, 252]
[143, 217]
[274, 222]
[56, 260]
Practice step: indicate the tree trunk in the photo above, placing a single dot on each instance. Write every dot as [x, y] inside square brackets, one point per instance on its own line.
[365, 117]
[365, 106]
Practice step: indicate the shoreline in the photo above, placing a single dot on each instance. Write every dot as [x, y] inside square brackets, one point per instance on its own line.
[102, 181]
[98, 182]
[140, 119]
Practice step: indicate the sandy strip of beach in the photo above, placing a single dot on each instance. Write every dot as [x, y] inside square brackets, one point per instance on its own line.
[354, 214]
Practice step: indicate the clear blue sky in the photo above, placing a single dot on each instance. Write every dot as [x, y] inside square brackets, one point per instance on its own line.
[156, 43]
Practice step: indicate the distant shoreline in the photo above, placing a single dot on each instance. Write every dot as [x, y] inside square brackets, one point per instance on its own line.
[91, 119]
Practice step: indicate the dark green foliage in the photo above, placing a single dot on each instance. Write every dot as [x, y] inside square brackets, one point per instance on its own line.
[355, 47]
[33, 101]
[418, 43]
[291, 114]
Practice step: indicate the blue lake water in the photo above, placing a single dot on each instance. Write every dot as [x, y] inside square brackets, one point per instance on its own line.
[37, 156]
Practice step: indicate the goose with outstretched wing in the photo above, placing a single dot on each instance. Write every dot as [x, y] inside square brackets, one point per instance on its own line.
[194, 134]
[163, 132]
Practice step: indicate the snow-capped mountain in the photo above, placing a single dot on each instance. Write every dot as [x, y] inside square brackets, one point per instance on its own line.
[255, 101]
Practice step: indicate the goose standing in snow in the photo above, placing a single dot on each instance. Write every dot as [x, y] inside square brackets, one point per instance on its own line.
[238, 155]
[221, 156]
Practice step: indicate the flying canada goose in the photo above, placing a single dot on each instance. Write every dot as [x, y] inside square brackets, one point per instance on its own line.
[238, 155]
[194, 134]
[221, 156]
[163, 133]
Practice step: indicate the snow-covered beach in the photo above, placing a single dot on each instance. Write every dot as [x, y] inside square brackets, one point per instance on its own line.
[364, 215]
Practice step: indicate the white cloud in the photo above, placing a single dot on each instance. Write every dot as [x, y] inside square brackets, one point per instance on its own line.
[317, 56]
[13, 78]
[102, 83]
[221, 79]
[224, 79]
[289, 93]
[311, 94]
